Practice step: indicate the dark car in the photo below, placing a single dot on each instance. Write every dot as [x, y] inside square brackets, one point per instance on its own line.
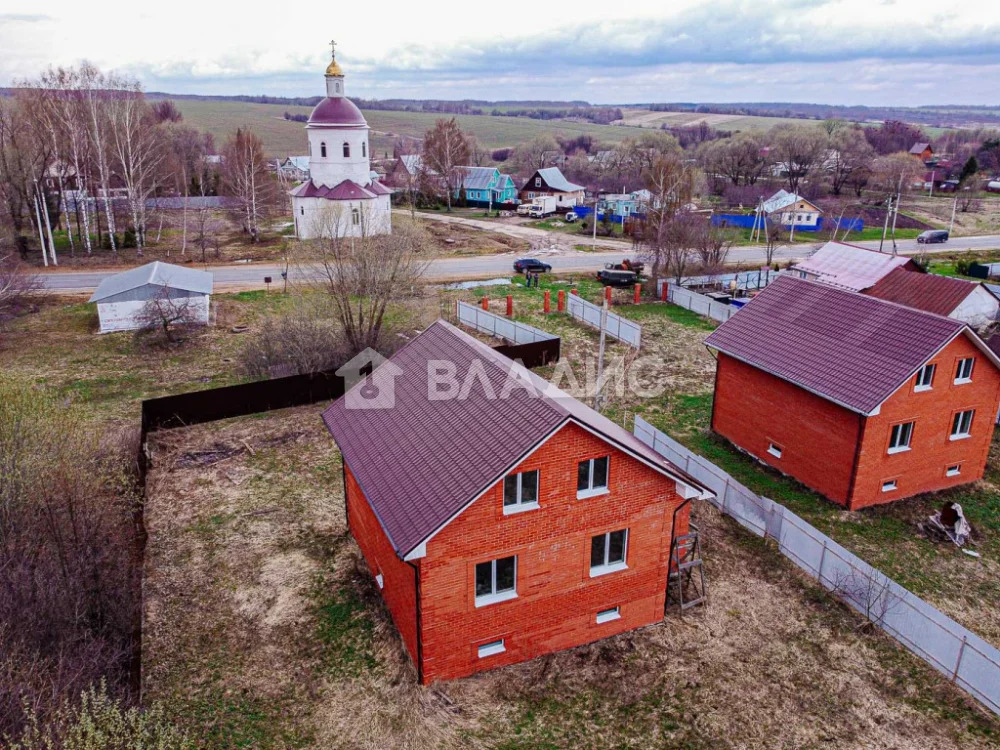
[931, 236]
[612, 277]
[532, 265]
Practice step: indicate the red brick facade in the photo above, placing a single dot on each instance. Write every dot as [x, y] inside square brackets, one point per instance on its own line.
[557, 599]
[845, 456]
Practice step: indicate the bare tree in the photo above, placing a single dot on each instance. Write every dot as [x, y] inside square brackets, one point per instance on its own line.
[671, 180]
[245, 175]
[446, 148]
[15, 284]
[800, 150]
[184, 161]
[712, 245]
[537, 153]
[740, 159]
[164, 314]
[850, 153]
[206, 233]
[774, 237]
[363, 275]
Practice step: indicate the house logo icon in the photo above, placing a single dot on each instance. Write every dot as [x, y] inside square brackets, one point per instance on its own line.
[369, 381]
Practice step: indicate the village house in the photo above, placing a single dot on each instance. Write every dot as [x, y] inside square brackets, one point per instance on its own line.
[293, 168]
[966, 301]
[623, 205]
[850, 266]
[500, 518]
[792, 210]
[922, 151]
[485, 186]
[878, 401]
[550, 181]
[406, 170]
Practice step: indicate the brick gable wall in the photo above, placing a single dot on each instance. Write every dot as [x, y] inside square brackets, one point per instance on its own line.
[922, 468]
[557, 600]
[818, 438]
[399, 583]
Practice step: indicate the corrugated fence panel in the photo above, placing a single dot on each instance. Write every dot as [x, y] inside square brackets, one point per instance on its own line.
[617, 327]
[952, 649]
[699, 303]
[495, 325]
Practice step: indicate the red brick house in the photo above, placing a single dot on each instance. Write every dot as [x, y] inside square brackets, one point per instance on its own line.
[501, 518]
[863, 400]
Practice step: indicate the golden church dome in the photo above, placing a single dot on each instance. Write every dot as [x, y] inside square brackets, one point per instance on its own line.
[333, 69]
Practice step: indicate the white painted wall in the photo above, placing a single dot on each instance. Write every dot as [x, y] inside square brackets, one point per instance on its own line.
[334, 168]
[123, 315]
[320, 217]
[978, 309]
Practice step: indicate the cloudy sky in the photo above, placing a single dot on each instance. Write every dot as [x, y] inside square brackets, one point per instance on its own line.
[901, 52]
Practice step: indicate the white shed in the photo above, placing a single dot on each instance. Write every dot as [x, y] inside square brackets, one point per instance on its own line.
[121, 298]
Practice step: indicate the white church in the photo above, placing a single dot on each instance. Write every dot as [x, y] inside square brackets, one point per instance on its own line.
[342, 197]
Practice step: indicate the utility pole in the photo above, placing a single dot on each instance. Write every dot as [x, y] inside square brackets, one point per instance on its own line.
[899, 195]
[954, 206]
[600, 356]
[594, 241]
[885, 229]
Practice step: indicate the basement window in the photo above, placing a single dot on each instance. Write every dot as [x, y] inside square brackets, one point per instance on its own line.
[953, 471]
[492, 648]
[889, 486]
[899, 440]
[607, 615]
[380, 580]
[608, 552]
[496, 581]
[963, 373]
[774, 450]
[961, 425]
[592, 477]
[520, 492]
[925, 378]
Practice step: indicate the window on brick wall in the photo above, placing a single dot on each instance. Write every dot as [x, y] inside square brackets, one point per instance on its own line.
[890, 485]
[592, 477]
[961, 424]
[925, 378]
[608, 552]
[774, 450]
[496, 580]
[963, 372]
[491, 648]
[953, 471]
[520, 491]
[899, 439]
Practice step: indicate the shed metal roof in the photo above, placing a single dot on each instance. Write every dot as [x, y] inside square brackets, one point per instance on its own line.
[924, 291]
[554, 178]
[156, 274]
[851, 266]
[847, 347]
[421, 462]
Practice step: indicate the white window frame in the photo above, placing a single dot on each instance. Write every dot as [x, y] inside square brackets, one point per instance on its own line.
[890, 485]
[519, 506]
[925, 373]
[538, 182]
[355, 217]
[591, 490]
[609, 567]
[497, 596]
[900, 437]
[775, 450]
[957, 433]
[608, 615]
[953, 471]
[492, 648]
[961, 379]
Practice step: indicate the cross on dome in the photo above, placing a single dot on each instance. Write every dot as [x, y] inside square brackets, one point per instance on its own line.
[333, 69]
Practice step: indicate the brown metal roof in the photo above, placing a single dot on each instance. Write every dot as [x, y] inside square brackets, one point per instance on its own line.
[924, 291]
[849, 348]
[423, 461]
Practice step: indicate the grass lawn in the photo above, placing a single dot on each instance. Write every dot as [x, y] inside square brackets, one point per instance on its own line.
[868, 234]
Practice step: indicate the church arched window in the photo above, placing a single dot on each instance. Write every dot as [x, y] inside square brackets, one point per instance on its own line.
[322, 149]
[355, 216]
[347, 150]
[364, 149]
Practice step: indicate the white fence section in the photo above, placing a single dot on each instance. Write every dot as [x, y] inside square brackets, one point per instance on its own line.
[617, 327]
[495, 325]
[698, 303]
[744, 280]
[958, 653]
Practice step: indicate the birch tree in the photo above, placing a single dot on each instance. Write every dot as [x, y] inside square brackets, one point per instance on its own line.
[671, 180]
[245, 177]
[446, 148]
[94, 94]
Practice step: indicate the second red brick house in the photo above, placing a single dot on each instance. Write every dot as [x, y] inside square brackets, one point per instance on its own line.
[863, 400]
[501, 518]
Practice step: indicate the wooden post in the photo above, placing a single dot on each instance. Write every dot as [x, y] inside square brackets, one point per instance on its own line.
[607, 295]
[561, 301]
[510, 305]
[638, 291]
[547, 301]
[486, 303]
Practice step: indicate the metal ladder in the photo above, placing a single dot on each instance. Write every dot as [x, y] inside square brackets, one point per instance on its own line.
[686, 570]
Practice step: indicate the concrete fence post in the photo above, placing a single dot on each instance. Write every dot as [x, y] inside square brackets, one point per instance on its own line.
[561, 301]
[574, 291]
[822, 559]
[635, 296]
[958, 662]
[665, 292]
[547, 301]
[486, 303]
[607, 295]
[510, 305]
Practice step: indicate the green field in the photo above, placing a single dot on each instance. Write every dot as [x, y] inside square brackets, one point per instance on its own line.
[284, 137]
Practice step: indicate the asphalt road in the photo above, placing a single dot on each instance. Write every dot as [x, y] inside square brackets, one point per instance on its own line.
[251, 275]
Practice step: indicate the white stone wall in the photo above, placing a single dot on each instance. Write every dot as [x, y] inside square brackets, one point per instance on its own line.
[978, 309]
[320, 217]
[334, 168]
[123, 316]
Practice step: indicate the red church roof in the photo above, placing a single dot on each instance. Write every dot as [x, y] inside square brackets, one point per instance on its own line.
[337, 111]
[345, 191]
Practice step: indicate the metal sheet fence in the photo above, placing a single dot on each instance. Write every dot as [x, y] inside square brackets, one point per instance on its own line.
[699, 303]
[616, 326]
[756, 279]
[495, 325]
[958, 653]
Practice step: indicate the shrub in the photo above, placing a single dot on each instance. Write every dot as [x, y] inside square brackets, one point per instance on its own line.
[962, 267]
[304, 340]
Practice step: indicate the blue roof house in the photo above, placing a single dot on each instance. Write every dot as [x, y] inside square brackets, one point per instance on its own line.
[485, 186]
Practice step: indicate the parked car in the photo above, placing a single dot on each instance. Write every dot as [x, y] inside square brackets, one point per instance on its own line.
[931, 236]
[533, 265]
[570, 217]
[612, 277]
[627, 265]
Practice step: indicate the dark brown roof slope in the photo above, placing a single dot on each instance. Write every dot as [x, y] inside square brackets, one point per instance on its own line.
[924, 291]
[852, 349]
[422, 461]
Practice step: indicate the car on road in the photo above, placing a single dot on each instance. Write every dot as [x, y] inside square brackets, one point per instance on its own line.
[617, 277]
[532, 265]
[932, 236]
